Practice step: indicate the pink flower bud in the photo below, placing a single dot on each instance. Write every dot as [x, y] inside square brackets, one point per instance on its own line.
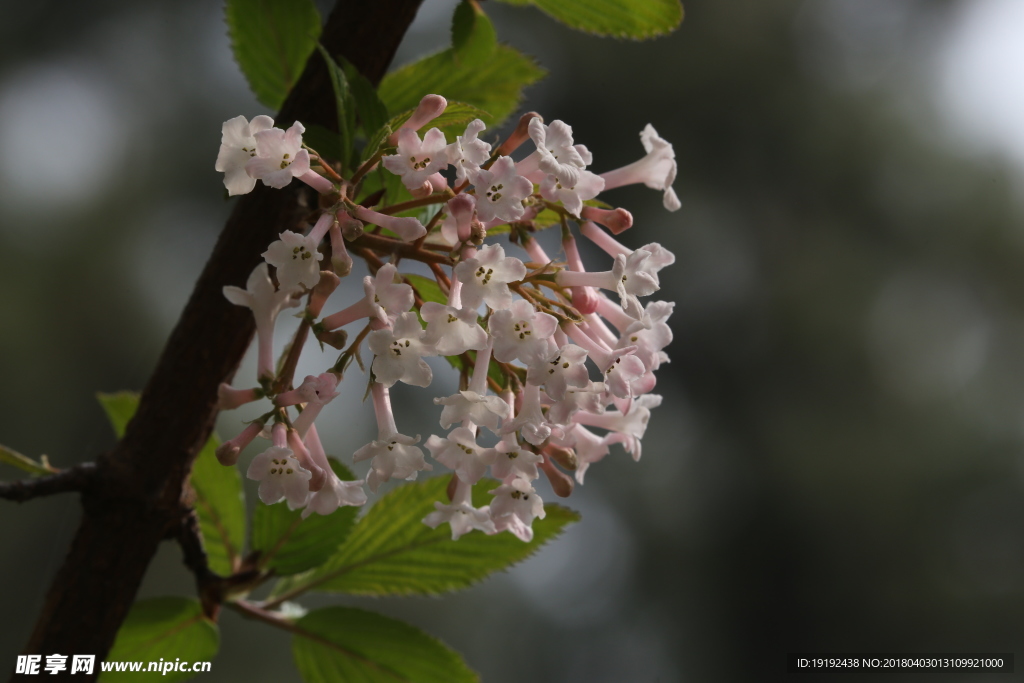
[430, 107]
[229, 398]
[616, 220]
[520, 135]
[327, 284]
[561, 483]
[228, 452]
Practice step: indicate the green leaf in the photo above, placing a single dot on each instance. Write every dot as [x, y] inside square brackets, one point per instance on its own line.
[119, 407]
[272, 39]
[347, 644]
[163, 628]
[23, 462]
[473, 36]
[616, 18]
[220, 503]
[428, 289]
[343, 104]
[495, 86]
[372, 112]
[291, 544]
[220, 506]
[391, 551]
[326, 142]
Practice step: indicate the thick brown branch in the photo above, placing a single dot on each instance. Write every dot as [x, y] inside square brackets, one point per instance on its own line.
[134, 501]
[73, 479]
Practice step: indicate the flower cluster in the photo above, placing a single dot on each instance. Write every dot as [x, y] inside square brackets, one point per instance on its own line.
[556, 362]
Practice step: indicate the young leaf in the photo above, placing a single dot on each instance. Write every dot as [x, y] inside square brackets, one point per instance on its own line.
[427, 288]
[495, 86]
[119, 407]
[617, 18]
[391, 552]
[347, 644]
[220, 506]
[23, 462]
[473, 35]
[272, 39]
[291, 544]
[163, 628]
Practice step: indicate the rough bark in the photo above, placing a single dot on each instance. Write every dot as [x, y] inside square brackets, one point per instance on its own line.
[134, 497]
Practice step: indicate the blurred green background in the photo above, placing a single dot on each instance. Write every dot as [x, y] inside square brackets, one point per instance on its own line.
[837, 464]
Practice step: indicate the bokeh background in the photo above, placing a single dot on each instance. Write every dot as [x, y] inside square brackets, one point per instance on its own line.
[838, 462]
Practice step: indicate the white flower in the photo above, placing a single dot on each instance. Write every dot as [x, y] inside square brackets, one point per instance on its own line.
[626, 428]
[622, 372]
[657, 170]
[478, 408]
[394, 456]
[461, 514]
[468, 152]
[556, 154]
[406, 227]
[521, 332]
[335, 494]
[633, 275]
[572, 196]
[461, 453]
[457, 225]
[451, 330]
[280, 476]
[565, 368]
[384, 300]
[296, 258]
[500, 191]
[417, 159]
[513, 462]
[279, 156]
[265, 303]
[650, 334]
[588, 446]
[530, 421]
[399, 353]
[588, 398]
[316, 391]
[485, 278]
[237, 146]
[514, 508]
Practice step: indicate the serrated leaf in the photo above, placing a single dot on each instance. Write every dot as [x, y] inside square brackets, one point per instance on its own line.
[427, 288]
[473, 36]
[23, 462]
[119, 407]
[348, 644]
[495, 86]
[324, 141]
[220, 506]
[272, 39]
[391, 552]
[220, 503]
[617, 18]
[163, 628]
[291, 544]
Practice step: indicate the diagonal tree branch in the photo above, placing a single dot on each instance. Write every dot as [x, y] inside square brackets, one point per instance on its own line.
[134, 500]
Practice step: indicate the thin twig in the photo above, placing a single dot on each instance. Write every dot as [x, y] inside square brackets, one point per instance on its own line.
[438, 198]
[72, 479]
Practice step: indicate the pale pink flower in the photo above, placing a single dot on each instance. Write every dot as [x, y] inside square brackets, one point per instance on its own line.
[296, 258]
[468, 152]
[516, 504]
[485, 277]
[279, 156]
[452, 330]
[461, 514]
[237, 146]
[656, 170]
[400, 351]
[383, 300]
[500, 191]
[521, 332]
[265, 303]
[565, 368]
[461, 453]
[416, 160]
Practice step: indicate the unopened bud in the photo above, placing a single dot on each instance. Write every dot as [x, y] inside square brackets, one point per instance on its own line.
[477, 233]
[561, 483]
[520, 135]
[616, 220]
[351, 228]
[566, 457]
[335, 338]
[323, 289]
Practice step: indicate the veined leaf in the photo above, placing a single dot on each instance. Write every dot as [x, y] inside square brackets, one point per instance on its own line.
[616, 18]
[272, 39]
[220, 506]
[347, 644]
[372, 112]
[291, 544]
[344, 106]
[163, 628]
[473, 36]
[495, 86]
[391, 552]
